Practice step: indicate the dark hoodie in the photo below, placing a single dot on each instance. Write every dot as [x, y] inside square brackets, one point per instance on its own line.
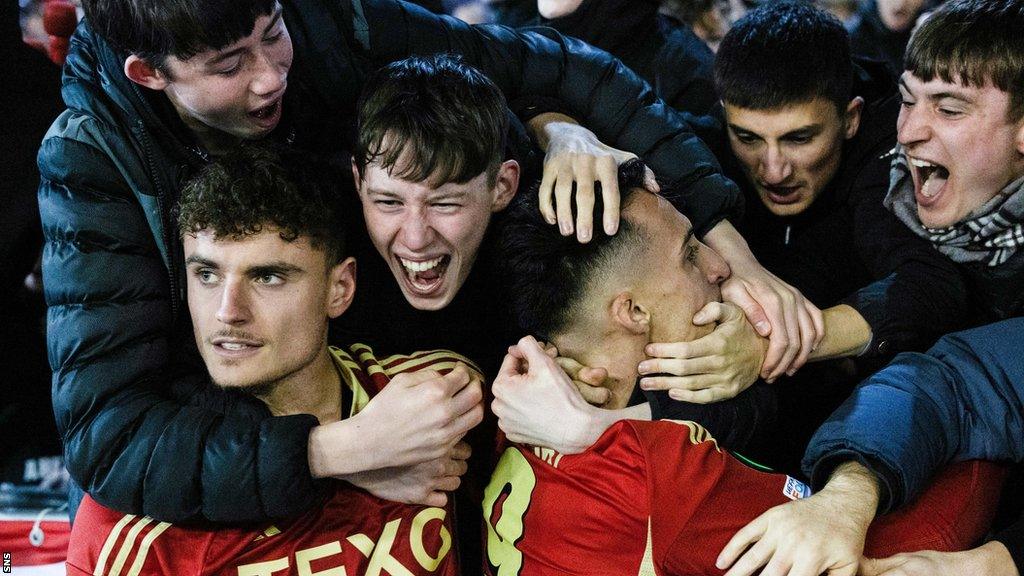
[659, 48]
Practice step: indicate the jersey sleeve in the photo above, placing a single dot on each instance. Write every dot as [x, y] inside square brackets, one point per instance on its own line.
[700, 495]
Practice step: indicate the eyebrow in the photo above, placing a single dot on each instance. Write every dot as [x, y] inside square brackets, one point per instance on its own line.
[193, 259]
[940, 95]
[273, 268]
[278, 267]
[810, 130]
[236, 51]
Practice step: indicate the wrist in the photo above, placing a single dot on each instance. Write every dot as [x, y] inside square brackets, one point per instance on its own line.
[344, 447]
[855, 490]
[992, 559]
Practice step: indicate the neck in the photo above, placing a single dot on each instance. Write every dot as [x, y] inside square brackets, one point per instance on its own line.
[618, 353]
[315, 389]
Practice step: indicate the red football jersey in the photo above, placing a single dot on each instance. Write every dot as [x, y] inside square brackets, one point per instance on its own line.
[353, 533]
[661, 498]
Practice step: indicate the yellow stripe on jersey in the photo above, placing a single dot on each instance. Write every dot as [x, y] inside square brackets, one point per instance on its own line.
[108, 545]
[389, 366]
[647, 562]
[698, 434]
[126, 547]
[348, 367]
[438, 360]
[140, 558]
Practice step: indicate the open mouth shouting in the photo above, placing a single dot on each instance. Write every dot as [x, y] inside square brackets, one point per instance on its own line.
[267, 115]
[782, 194]
[929, 180]
[425, 277]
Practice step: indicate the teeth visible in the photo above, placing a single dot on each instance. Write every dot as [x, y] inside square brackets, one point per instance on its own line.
[233, 345]
[926, 187]
[420, 266]
[922, 163]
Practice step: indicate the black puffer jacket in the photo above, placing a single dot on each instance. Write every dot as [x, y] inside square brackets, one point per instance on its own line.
[143, 431]
[659, 48]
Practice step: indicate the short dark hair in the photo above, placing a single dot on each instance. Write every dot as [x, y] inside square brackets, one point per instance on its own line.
[258, 185]
[785, 53]
[447, 115]
[156, 29]
[974, 42]
[547, 274]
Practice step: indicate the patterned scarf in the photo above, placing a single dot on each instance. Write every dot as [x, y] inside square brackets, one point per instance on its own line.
[991, 234]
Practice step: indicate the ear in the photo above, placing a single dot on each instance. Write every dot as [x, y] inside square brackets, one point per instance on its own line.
[632, 316]
[505, 185]
[851, 120]
[356, 177]
[144, 74]
[342, 287]
[1019, 141]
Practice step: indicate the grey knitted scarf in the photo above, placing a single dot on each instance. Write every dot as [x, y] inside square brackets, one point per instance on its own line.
[991, 234]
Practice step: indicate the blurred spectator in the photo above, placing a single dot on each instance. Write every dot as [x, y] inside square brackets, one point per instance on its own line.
[27, 429]
[844, 10]
[661, 49]
[881, 29]
[709, 19]
[470, 11]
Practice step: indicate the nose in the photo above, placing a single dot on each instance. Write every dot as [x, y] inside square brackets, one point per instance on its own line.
[911, 127]
[234, 304]
[270, 75]
[417, 231]
[714, 267]
[775, 167]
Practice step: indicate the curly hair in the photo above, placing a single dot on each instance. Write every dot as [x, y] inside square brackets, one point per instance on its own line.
[257, 186]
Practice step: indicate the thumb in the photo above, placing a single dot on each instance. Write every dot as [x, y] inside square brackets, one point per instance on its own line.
[755, 314]
[711, 312]
[650, 181]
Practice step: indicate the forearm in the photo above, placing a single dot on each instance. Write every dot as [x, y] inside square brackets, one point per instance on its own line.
[846, 334]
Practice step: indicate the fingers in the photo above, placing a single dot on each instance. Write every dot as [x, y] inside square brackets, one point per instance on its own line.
[678, 367]
[584, 176]
[757, 556]
[608, 175]
[708, 395]
[709, 345]
[711, 312]
[436, 499]
[592, 376]
[563, 200]
[594, 395]
[466, 420]
[546, 192]
[808, 335]
[747, 535]
[454, 468]
[461, 451]
[458, 378]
